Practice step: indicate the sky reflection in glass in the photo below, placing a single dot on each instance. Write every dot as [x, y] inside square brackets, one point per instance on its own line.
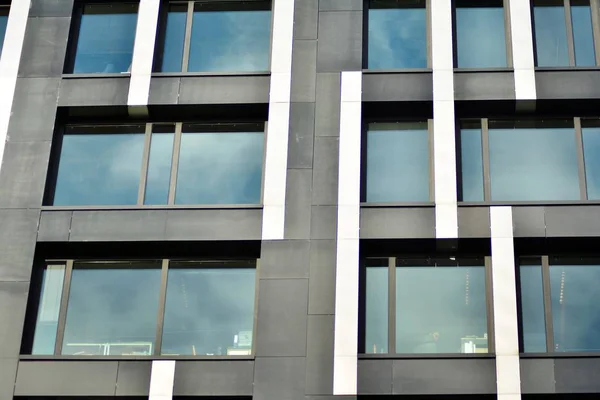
[376, 315]
[3, 23]
[480, 37]
[591, 153]
[583, 36]
[550, 36]
[472, 164]
[49, 307]
[159, 169]
[172, 58]
[532, 308]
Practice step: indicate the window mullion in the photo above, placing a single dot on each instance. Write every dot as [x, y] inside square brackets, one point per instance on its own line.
[547, 304]
[508, 33]
[392, 305]
[175, 163]
[570, 40]
[485, 152]
[145, 161]
[580, 159]
[188, 37]
[432, 165]
[595, 11]
[62, 315]
[160, 320]
[489, 304]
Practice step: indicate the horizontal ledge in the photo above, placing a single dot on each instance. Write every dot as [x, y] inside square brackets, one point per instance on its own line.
[560, 355]
[155, 208]
[207, 74]
[97, 76]
[424, 356]
[566, 69]
[528, 203]
[398, 71]
[427, 204]
[495, 69]
[29, 357]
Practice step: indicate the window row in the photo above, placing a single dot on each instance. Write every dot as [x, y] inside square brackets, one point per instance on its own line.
[143, 308]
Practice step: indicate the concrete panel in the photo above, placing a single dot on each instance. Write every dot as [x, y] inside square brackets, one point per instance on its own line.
[529, 221]
[224, 90]
[567, 84]
[572, 221]
[304, 66]
[444, 376]
[94, 92]
[473, 222]
[375, 376]
[397, 223]
[13, 297]
[17, 243]
[484, 86]
[213, 378]
[214, 224]
[284, 259]
[51, 8]
[135, 225]
[54, 226]
[133, 378]
[417, 86]
[327, 110]
[341, 5]
[298, 209]
[319, 354]
[323, 222]
[321, 288]
[340, 41]
[325, 171]
[306, 19]
[45, 47]
[280, 378]
[66, 378]
[302, 130]
[164, 90]
[8, 367]
[537, 375]
[577, 375]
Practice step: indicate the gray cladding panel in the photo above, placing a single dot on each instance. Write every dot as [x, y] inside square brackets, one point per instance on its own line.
[569, 221]
[484, 86]
[8, 373]
[473, 222]
[164, 90]
[13, 298]
[327, 109]
[51, 8]
[577, 375]
[341, 5]
[567, 84]
[284, 259]
[304, 66]
[45, 46]
[54, 226]
[325, 171]
[133, 378]
[280, 378]
[537, 375]
[340, 41]
[375, 376]
[302, 130]
[36, 96]
[321, 288]
[17, 243]
[306, 19]
[297, 199]
[417, 86]
[94, 91]
[323, 223]
[319, 354]
[242, 224]
[214, 378]
[529, 221]
[397, 223]
[135, 225]
[224, 89]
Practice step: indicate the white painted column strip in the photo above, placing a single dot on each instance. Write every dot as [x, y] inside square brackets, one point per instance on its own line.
[521, 34]
[348, 225]
[162, 379]
[9, 63]
[279, 120]
[504, 292]
[444, 151]
[143, 53]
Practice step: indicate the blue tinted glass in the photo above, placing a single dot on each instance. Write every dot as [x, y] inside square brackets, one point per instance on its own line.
[209, 312]
[532, 309]
[106, 36]
[575, 307]
[112, 311]
[230, 41]
[159, 169]
[174, 38]
[472, 164]
[376, 329]
[99, 169]
[397, 38]
[49, 307]
[583, 36]
[480, 37]
[591, 150]
[397, 162]
[220, 168]
[3, 22]
[550, 36]
[534, 164]
[441, 310]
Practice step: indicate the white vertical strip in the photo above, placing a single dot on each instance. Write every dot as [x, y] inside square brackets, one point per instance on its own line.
[504, 292]
[346, 275]
[162, 378]
[521, 34]
[444, 151]
[279, 120]
[143, 53]
[9, 63]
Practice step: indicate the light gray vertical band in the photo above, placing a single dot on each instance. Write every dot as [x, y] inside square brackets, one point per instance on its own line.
[521, 35]
[143, 55]
[9, 63]
[162, 379]
[348, 224]
[504, 292]
[444, 151]
[279, 120]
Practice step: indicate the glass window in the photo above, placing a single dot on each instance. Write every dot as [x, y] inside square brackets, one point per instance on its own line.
[47, 317]
[397, 162]
[591, 155]
[112, 309]
[209, 310]
[481, 38]
[471, 162]
[376, 330]
[3, 23]
[172, 58]
[105, 38]
[583, 37]
[159, 165]
[397, 34]
[532, 306]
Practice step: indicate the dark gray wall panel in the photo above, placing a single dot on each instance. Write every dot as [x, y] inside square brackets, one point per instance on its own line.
[319, 354]
[537, 375]
[567, 84]
[323, 223]
[13, 298]
[213, 378]
[164, 90]
[341, 5]
[37, 95]
[51, 8]
[302, 131]
[340, 41]
[484, 86]
[327, 112]
[8, 373]
[417, 86]
[321, 288]
[297, 208]
[66, 378]
[17, 243]
[304, 65]
[214, 224]
[284, 259]
[529, 221]
[280, 378]
[325, 176]
[577, 375]
[397, 222]
[306, 19]
[375, 376]
[118, 225]
[54, 226]
[224, 90]
[94, 91]
[473, 222]
[133, 378]
[572, 221]
[45, 46]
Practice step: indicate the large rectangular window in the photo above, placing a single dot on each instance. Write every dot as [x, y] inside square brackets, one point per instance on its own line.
[397, 34]
[145, 308]
[434, 305]
[3, 22]
[221, 36]
[159, 164]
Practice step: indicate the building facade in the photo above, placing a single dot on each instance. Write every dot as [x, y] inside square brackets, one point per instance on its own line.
[300, 199]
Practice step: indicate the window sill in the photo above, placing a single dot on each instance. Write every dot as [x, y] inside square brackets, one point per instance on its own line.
[423, 356]
[396, 71]
[29, 357]
[567, 68]
[157, 207]
[98, 75]
[529, 203]
[397, 205]
[493, 69]
[208, 74]
[561, 355]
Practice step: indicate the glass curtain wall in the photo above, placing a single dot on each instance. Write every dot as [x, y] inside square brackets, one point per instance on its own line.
[3, 22]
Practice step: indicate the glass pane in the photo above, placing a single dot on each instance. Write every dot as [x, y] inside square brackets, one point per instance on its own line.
[441, 310]
[397, 38]
[398, 162]
[376, 332]
[575, 307]
[112, 310]
[209, 311]
[591, 151]
[47, 319]
[532, 309]
[159, 169]
[230, 41]
[551, 36]
[220, 168]
[533, 164]
[583, 37]
[3, 22]
[480, 37]
[172, 59]
[99, 169]
[472, 164]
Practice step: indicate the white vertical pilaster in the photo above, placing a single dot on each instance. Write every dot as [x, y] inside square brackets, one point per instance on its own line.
[444, 151]
[521, 34]
[9, 63]
[346, 276]
[143, 53]
[504, 292]
[279, 120]
[162, 379]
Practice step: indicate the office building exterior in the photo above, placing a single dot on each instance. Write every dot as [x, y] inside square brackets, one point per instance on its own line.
[300, 199]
